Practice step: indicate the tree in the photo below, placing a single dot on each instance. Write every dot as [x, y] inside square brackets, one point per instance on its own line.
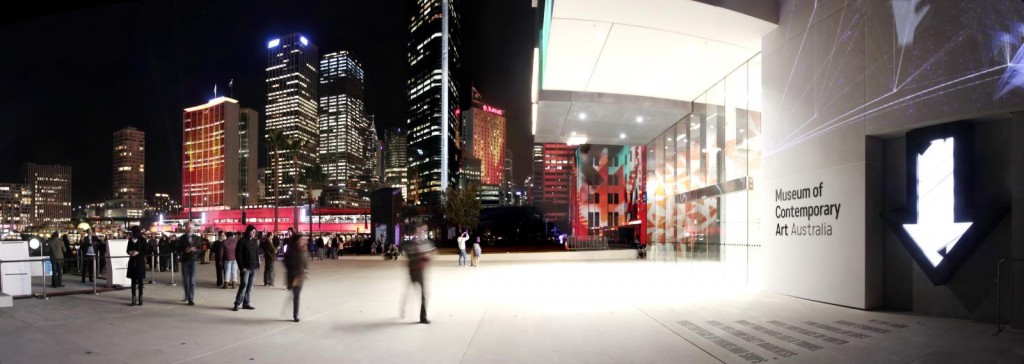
[314, 178]
[276, 140]
[461, 206]
[294, 146]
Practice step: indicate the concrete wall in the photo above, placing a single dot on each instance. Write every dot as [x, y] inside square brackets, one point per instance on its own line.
[843, 81]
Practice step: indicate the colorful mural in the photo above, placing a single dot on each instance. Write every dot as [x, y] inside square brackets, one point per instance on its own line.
[609, 187]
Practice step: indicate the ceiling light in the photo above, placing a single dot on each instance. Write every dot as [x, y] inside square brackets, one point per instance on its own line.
[573, 133]
[639, 119]
[622, 136]
[583, 116]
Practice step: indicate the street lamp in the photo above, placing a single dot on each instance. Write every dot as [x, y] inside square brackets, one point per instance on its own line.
[314, 194]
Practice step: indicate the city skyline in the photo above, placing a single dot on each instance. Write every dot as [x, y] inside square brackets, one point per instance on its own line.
[146, 77]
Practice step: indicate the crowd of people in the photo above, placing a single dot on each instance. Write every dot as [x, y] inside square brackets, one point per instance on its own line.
[237, 258]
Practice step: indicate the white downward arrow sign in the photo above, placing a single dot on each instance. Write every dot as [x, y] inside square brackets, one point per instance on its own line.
[935, 232]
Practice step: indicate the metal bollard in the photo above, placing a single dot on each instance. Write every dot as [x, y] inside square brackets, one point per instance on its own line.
[94, 278]
[172, 269]
[43, 263]
[152, 268]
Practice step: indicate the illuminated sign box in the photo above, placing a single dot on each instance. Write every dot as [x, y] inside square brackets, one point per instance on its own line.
[494, 110]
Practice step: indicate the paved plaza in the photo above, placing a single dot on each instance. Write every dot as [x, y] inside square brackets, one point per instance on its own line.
[571, 311]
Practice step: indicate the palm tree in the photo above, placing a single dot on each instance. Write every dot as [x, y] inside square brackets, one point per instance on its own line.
[277, 141]
[314, 178]
[293, 146]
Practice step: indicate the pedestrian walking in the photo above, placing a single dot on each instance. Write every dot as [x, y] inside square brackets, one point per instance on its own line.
[297, 265]
[248, 258]
[418, 251]
[56, 246]
[138, 249]
[189, 246]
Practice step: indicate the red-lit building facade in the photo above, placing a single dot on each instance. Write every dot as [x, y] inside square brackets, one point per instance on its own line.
[485, 139]
[210, 158]
[322, 220]
[554, 170]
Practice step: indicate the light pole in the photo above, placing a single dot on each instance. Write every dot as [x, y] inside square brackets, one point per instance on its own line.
[314, 194]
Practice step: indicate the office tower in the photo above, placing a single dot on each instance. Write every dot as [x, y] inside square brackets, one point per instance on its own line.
[161, 203]
[129, 168]
[484, 131]
[470, 173]
[508, 186]
[50, 187]
[248, 146]
[553, 174]
[372, 153]
[434, 94]
[15, 203]
[292, 108]
[343, 127]
[395, 160]
[210, 155]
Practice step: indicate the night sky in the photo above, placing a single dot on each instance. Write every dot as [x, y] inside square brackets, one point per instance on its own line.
[69, 79]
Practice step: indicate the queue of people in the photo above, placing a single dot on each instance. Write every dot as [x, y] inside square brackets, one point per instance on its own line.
[238, 257]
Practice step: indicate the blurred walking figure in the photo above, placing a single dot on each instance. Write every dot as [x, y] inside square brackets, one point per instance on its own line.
[462, 248]
[56, 259]
[138, 249]
[269, 250]
[189, 246]
[418, 251]
[297, 263]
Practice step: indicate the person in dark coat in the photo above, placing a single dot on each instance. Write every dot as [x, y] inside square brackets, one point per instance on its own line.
[217, 254]
[269, 250]
[247, 254]
[297, 263]
[56, 246]
[138, 249]
[88, 247]
[188, 248]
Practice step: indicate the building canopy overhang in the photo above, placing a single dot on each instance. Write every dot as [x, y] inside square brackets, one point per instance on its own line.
[620, 72]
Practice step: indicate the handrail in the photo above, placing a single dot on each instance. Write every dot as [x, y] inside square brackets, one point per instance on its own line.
[999, 289]
[94, 259]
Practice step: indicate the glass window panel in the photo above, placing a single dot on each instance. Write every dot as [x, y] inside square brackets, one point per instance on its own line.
[715, 136]
[670, 182]
[735, 157]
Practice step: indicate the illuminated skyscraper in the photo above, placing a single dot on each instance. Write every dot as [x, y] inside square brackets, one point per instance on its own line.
[210, 155]
[343, 127]
[484, 130]
[508, 186]
[553, 172]
[129, 172]
[292, 106]
[432, 125]
[50, 187]
[395, 160]
[15, 204]
[248, 146]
